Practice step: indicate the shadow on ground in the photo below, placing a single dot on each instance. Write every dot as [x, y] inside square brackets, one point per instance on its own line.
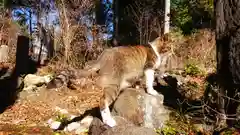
[204, 109]
[10, 79]
[228, 103]
[175, 99]
[93, 112]
[172, 96]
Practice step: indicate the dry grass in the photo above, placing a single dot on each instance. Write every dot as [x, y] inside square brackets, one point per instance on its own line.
[80, 49]
[8, 36]
[198, 48]
[37, 107]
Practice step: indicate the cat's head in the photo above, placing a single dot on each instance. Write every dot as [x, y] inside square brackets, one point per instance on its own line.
[160, 43]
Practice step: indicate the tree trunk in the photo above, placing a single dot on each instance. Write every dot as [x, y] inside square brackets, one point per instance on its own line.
[99, 12]
[22, 62]
[167, 17]
[66, 37]
[40, 33]
[30, 28]
[228, 52]
[115, 21]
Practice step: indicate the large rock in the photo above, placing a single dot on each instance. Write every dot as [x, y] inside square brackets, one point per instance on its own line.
[32, 81]
[123, 128]
[141, 108]
[97, 127]
[129, 130]
[4, 50]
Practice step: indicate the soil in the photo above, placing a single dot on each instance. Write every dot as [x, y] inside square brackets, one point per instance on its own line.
[28, 116]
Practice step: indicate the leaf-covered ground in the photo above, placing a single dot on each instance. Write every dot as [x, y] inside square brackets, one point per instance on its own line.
[32, 110]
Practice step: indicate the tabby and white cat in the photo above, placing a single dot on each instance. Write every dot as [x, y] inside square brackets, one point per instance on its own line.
[117, 67]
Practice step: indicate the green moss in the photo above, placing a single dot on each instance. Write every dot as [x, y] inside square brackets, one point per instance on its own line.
[61, 117]
[192, 69]
[229, 132]
[169, 131]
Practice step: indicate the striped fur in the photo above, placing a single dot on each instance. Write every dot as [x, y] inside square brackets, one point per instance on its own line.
[118, 67]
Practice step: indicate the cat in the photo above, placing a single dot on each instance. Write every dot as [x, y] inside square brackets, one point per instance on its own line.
[118, 67]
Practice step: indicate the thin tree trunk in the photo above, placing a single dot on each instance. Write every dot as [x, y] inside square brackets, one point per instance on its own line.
[9, 12]
[115, 19]
[66, 38]
[30, 28]
[167, 17]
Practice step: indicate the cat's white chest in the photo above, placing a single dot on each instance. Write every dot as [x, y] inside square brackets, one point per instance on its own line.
[158, 62]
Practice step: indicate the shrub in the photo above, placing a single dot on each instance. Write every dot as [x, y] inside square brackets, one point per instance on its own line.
[192, 69]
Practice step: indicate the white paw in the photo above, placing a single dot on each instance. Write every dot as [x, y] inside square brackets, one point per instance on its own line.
[164, 75]
[179, 83]
[110, 122]
[55, 125]
[152, 92]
